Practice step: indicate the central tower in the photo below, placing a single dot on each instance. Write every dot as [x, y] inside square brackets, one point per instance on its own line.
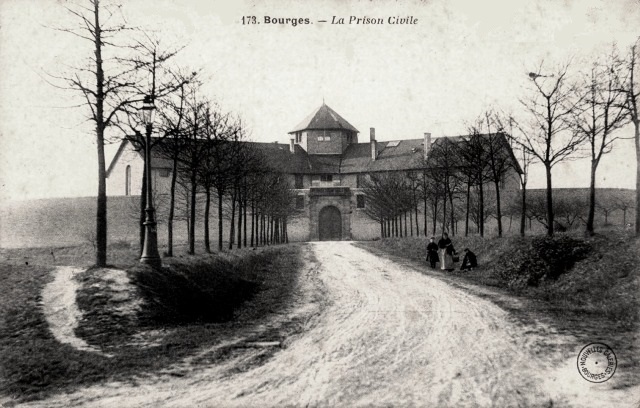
[324, 131]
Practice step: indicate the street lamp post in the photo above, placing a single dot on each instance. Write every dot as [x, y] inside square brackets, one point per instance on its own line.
[150, 255]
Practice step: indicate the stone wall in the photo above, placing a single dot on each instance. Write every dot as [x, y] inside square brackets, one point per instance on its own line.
[317, 202]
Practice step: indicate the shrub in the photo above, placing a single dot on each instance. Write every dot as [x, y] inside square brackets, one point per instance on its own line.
[545, 258]
[204, 291]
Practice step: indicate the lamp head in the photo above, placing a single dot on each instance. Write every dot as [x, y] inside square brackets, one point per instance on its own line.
[147, 110]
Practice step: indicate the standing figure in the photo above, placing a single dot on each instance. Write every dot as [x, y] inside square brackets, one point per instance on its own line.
[432, 253]
[446, 252]
[469, 261]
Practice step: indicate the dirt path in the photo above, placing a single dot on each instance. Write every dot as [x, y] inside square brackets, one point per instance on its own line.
[389, 336]
[60, 308]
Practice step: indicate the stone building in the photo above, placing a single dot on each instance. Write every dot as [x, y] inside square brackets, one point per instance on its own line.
[326, 165]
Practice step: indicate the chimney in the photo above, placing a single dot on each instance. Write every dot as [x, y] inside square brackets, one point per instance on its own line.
[374, 144]
[427, 144]
[292, 148]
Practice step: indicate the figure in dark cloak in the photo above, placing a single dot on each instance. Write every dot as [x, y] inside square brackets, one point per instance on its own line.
[432, 253]
[469, 261]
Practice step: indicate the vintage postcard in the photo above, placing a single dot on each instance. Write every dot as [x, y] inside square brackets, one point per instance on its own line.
[319, 203]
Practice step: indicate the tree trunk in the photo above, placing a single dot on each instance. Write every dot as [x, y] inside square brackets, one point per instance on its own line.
[466, 217]
[453, 217]
[523, 210]
[424, 198]
[410, 221]
[481, 207]
[192, 215]
[444, 211]
[498, 208]
[244, 206]
[636, 123]
[549, 201]
[220, 228]
[172, 205]
[207, 206]
[101, 204]
[592, 198]
[239, 220]
[232, 224]
[253, 219]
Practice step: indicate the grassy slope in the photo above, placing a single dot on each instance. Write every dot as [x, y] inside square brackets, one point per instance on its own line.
[64, 222]
[33, 364]
[597, 300]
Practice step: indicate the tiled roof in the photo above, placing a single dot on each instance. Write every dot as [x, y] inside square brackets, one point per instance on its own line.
[408, 154]
[395, 155]
[324, 118]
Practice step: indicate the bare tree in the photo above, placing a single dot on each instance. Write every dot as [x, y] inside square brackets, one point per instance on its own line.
[159, 81]
[603, 112]
[105, 85]
[444, 164]
[172, 121]
[570, 208]
[623, 202]
[631, 88]
[549, 136]
[499, 159]
[193, 152]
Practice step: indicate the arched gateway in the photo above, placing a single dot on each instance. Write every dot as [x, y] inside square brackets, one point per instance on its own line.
[330, 224]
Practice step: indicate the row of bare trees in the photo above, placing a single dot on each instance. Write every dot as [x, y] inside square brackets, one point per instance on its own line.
[571, 117]
[210, 158]
[565, 118]
[571, 208]
[462, 169]
[124, 66]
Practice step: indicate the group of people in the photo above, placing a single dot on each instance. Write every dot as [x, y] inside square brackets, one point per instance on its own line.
[443, 252]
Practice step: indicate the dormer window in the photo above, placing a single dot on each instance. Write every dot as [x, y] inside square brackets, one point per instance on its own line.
[326, 177]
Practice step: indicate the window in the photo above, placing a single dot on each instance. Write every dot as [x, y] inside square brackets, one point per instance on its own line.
[360, 201]
[359, 180]
[326, 177]
[300, 202]
[298, 137]
[164, 172]
[127, 181]
[320, 138]
[298, 183]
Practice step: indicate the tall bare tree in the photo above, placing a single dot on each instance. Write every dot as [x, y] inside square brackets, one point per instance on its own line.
[631, 89]
[444, 163]
[549, 136]
[602, 112]
[105, 85]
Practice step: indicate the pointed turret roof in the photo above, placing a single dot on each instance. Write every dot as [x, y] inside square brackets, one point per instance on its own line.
[324, 118]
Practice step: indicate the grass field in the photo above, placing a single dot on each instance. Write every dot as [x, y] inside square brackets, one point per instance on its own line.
[64, 222]
[237, 291]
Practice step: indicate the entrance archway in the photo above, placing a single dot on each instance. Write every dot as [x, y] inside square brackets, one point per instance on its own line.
[330, 224]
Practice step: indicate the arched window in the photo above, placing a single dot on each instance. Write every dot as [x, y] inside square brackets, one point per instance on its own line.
[127, 181]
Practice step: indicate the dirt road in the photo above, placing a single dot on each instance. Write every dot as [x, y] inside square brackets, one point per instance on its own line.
[389, 336]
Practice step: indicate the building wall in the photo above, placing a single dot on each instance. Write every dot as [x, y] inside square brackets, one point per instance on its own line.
[116, 182]
[336, 145]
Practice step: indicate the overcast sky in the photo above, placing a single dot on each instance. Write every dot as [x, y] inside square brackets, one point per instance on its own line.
[436, 76]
